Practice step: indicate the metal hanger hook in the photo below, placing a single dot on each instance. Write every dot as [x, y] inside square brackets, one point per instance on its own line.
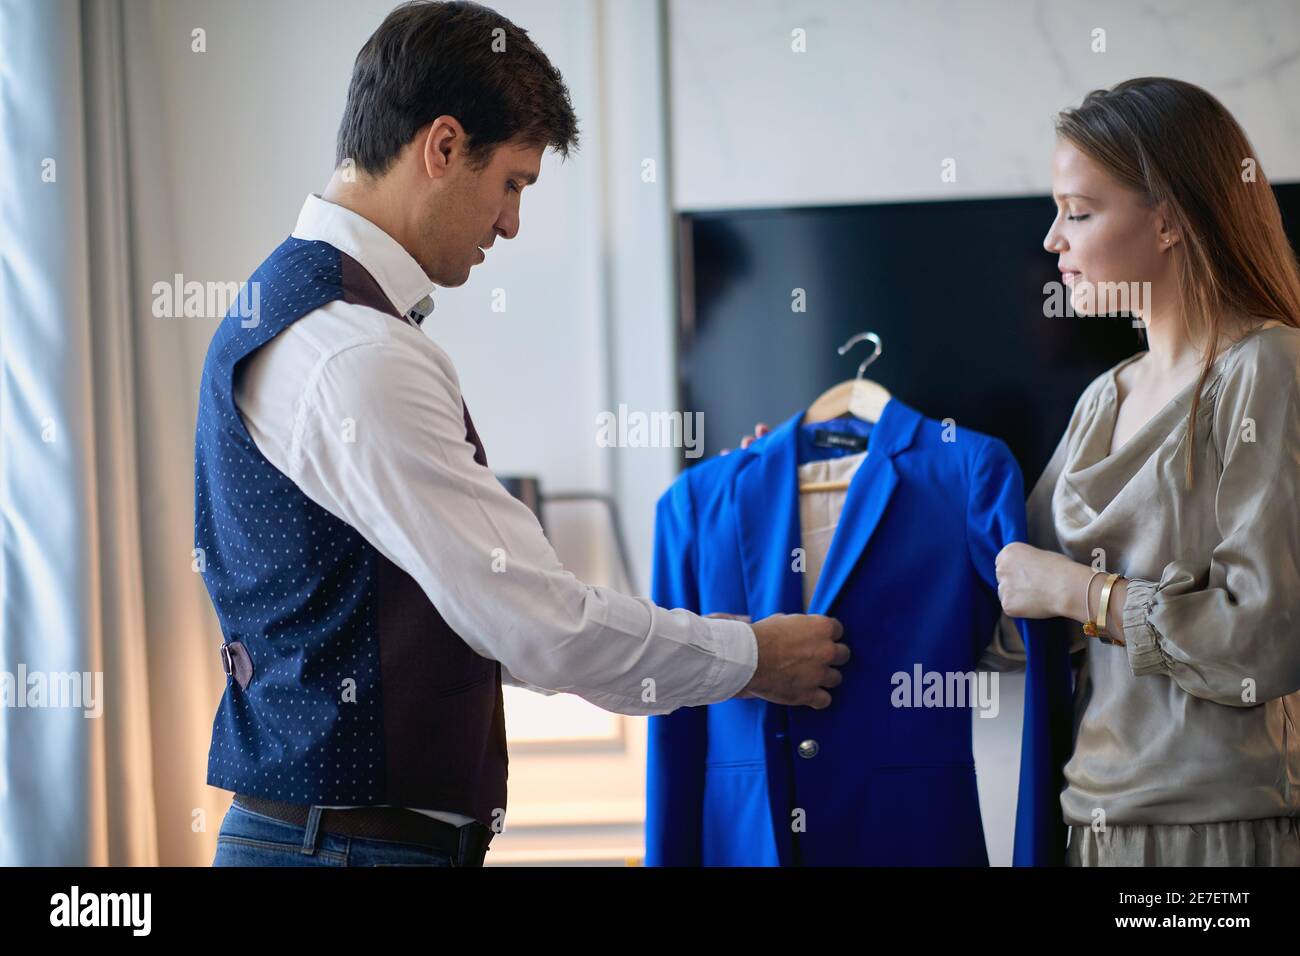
[860, 337]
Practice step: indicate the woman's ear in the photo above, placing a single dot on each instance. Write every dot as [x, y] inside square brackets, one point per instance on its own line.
[1167, 233]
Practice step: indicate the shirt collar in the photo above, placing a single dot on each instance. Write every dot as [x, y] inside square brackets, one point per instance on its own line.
[398, 274]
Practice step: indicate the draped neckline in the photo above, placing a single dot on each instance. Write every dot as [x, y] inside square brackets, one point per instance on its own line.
[1096, 474]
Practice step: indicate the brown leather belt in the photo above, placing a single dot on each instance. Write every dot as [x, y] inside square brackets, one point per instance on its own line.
[466, 845]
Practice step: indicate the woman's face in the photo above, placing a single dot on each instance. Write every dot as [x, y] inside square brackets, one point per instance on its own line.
[1104, 236]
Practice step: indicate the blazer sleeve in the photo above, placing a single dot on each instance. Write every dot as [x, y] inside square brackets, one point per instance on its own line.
[996, 518]
[1225, 629]
[1006, 651]
[676, 742]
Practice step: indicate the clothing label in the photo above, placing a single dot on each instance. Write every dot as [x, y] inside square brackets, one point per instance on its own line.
[823, 438]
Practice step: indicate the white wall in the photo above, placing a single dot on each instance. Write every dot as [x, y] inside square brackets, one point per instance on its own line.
[889, 89]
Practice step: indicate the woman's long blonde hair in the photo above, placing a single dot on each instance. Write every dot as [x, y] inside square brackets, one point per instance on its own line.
[1173, 142]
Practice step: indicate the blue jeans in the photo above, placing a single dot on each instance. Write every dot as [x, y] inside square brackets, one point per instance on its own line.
[251, 839]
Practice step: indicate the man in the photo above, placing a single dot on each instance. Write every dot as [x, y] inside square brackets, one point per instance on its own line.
[374, 581]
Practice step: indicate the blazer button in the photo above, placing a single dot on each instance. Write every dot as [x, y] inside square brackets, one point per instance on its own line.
[808, 749]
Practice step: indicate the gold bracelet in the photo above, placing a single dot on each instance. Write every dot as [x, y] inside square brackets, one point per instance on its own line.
[1089, 628]
[1101, 612]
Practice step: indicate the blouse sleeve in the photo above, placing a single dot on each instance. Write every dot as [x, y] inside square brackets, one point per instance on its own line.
[1230, 632]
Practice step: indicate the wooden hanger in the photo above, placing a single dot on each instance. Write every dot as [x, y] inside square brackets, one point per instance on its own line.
[859, 397]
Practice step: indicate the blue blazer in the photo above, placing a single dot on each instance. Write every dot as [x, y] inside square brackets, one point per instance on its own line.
[910, 575]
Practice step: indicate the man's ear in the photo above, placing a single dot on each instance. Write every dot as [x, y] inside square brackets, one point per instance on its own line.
[443, 144]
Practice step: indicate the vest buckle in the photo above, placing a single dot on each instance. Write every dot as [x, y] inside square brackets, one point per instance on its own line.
[236, 663]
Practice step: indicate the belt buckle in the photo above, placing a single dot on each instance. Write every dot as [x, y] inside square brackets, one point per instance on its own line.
[227, 664]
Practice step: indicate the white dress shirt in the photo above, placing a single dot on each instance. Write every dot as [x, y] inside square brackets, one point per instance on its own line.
[364, 414]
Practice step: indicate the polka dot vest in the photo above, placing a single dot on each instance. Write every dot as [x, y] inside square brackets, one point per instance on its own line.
[346, 686]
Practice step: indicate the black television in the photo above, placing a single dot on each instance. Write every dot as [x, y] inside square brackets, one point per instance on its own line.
[954, 289]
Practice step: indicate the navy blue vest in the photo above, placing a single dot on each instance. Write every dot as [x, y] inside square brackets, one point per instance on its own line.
[346, 685]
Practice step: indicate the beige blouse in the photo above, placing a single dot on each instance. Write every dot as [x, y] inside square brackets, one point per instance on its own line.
[819, 514]
[1187, 740]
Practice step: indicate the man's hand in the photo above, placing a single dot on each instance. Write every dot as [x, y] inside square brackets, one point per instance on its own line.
[797, 657]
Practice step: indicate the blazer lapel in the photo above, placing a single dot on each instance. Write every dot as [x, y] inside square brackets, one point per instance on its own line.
[767, 512]
[868, 495]
[870, 490]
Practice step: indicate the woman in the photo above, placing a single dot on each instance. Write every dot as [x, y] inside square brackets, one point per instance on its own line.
[1173, 498]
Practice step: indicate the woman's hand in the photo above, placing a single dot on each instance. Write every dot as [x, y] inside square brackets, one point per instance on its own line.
[761, 429]
[1034, 583]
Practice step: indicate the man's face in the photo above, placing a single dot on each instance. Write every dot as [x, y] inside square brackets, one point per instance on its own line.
[473, 209]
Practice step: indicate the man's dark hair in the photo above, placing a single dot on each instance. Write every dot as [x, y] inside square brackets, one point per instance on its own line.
[460, 59]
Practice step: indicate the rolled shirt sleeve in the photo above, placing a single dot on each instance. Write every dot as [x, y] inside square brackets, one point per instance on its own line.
[1230, 631]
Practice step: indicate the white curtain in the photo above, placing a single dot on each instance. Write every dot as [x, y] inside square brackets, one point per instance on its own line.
[96, 457]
